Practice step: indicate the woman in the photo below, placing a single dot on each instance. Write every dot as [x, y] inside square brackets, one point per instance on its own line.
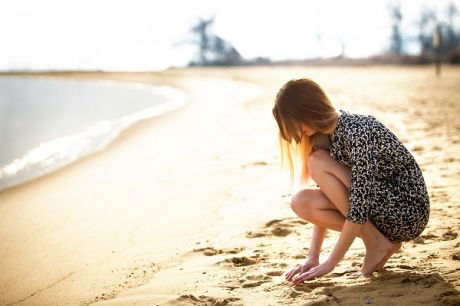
[370, 185]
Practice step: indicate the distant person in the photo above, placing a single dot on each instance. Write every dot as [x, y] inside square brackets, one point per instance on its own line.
[437, 43]
[368, 184]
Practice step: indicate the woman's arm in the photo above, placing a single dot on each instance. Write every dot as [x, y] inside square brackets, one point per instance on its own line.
[349, 232]
[313, 254]
[317, 241]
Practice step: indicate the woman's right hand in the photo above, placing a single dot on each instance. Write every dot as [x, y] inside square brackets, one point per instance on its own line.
[311, 262]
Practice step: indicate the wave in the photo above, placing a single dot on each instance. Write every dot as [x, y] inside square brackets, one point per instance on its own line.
[52, 155]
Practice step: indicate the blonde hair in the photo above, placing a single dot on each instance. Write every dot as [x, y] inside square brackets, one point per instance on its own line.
[301, 101]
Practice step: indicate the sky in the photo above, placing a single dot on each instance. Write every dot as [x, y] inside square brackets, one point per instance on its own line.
[142, 35]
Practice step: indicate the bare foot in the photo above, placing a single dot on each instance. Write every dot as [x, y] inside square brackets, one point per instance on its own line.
[381, 264]
[375, 256]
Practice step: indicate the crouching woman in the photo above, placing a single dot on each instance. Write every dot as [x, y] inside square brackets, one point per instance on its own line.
[368, 185]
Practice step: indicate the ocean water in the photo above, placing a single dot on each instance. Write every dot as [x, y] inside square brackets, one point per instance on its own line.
[48, 123]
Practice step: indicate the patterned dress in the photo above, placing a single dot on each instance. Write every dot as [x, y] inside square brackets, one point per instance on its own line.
[387, 186]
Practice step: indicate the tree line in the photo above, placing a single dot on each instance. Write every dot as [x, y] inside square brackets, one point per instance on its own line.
[437, 37]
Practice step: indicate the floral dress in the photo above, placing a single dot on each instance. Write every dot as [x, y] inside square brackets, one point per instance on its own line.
[387, 186]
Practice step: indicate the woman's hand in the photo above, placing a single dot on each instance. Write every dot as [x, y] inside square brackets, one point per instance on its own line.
[348, 234]
[311, 262]
[317, 271]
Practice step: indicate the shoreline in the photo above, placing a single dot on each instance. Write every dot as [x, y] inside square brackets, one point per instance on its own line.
[192, 207]
[55, 153]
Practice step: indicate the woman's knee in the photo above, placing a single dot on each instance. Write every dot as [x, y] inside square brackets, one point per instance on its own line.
[302, 202]
[317, 161]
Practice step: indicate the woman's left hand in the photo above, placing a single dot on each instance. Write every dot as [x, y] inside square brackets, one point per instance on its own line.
[317, 271]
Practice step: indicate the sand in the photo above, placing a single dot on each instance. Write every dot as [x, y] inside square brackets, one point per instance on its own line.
[192, 208]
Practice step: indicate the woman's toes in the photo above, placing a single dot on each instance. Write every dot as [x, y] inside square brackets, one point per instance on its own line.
[373, 260]
[396, 247]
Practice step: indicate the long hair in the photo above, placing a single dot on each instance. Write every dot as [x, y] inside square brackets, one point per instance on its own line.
[301, 101]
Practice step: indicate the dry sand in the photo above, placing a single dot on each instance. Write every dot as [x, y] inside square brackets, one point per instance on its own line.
[192, 208]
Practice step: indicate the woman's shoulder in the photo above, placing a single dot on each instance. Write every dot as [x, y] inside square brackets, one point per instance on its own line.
[357, 124]
[352, 123]
[355, 118]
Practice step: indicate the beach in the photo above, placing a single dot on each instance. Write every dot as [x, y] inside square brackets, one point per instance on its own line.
[193, 207]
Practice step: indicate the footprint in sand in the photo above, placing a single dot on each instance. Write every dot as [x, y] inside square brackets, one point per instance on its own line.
[418, 240]
[253, 284]
[256, 234]
[312, 285]
[406, 267]
[433, 256]
[305, 293]
[308, 287]
[279, 228]
[286, 221]
[204, 300]
[429, 236]
[300, 256]
[299, 289]
[350, 274]
[275, 273]
[456, 256]
[240, 261]
[278, 265]
[245, 261]
[210, 251]
[293, 294]
[258, 277]
[449, 235]
[254, 280]
[281, 231]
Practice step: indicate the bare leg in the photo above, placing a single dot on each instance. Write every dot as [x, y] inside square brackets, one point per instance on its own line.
[313, 206]
[334, 180]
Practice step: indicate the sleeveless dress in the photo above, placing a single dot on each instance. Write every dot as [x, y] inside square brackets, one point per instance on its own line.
[387, 185]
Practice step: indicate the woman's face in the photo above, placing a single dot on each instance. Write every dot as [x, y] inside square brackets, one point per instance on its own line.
[307, 130]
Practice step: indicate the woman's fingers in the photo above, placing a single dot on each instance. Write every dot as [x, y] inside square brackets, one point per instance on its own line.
[305, 276]
[297, 270]
[313, 273]
[303, 269]
[292, 272]
[289, 274]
